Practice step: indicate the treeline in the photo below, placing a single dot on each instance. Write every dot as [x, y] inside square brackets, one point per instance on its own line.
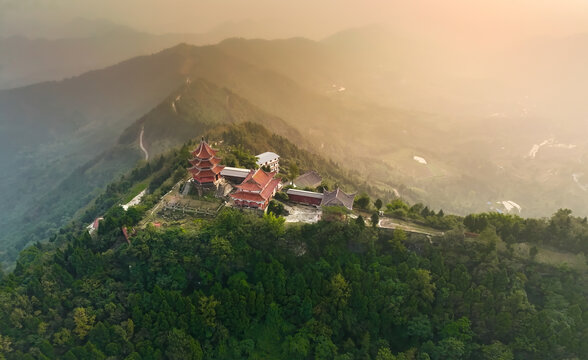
[242, 286]
[255, 139]
[399, 209]
[562, 230]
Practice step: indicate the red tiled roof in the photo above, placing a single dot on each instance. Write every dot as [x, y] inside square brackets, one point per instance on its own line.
[206, 172]
[203, 151]
[97, 222]
[203, 163]
[205, 180]
[249, 186]
[261, 196]
[248, 196]
[269, 189]
[257, 180]
[126, 234]
[205, 168]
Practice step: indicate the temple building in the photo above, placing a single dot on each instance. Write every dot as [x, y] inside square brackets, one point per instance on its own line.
[256, 190]
[305, 197]
[205, 168]
[310, 179]
[235, 175]
[338, 198]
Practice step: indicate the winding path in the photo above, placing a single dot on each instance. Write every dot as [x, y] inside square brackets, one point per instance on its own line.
[141, 143]
[389, 223]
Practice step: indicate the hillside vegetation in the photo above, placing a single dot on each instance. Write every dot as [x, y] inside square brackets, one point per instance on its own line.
[238, 286]
[74, 194]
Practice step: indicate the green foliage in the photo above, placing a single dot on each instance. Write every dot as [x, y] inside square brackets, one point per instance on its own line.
[335, 212]
[360, 221]
[496, 351]
[420, 214]
[276, 208]
[235, 288]
[243, 286]
[237, 156]
[182, 346]
[362, 201]
[293, 170]
[378, 204]
[282, 196]
[375, 219]
[83, 321]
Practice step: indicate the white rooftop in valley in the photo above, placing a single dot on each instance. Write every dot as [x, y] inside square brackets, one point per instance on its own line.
[420, 160]
[266, 157]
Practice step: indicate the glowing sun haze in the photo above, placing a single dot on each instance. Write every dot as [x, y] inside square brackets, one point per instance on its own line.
[492, 21]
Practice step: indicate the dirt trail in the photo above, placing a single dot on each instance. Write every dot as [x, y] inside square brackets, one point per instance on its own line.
[141, 143]
[389, 223]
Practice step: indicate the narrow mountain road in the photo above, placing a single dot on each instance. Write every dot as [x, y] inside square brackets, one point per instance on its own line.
[389, 223]
[141, 143]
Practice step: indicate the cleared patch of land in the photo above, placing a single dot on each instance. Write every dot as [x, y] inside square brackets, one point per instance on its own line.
[175, 208]
[302, 213]
[553, 257]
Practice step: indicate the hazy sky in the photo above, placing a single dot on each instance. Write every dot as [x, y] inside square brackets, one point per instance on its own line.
[487, 20]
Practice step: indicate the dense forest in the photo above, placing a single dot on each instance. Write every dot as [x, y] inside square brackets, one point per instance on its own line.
[243, 286]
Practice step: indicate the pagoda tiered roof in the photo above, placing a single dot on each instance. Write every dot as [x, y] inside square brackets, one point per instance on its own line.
[205, 163]
[204, 151]
[205, 168]
[206, 171]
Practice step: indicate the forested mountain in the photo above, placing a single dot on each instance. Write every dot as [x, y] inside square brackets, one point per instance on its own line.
[244, 286]
[332, 93]
[191, 110]
[67, 124]
[424, 195]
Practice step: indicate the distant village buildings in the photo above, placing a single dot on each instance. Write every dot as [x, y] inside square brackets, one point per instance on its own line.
[269, 159]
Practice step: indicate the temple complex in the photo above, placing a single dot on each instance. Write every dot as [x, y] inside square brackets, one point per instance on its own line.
[205, 168]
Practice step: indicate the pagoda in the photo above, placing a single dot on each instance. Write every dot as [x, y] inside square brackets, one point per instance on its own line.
[205, 168]
[256, 190]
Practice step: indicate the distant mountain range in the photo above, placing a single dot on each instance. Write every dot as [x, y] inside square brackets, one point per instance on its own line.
[82, 45]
